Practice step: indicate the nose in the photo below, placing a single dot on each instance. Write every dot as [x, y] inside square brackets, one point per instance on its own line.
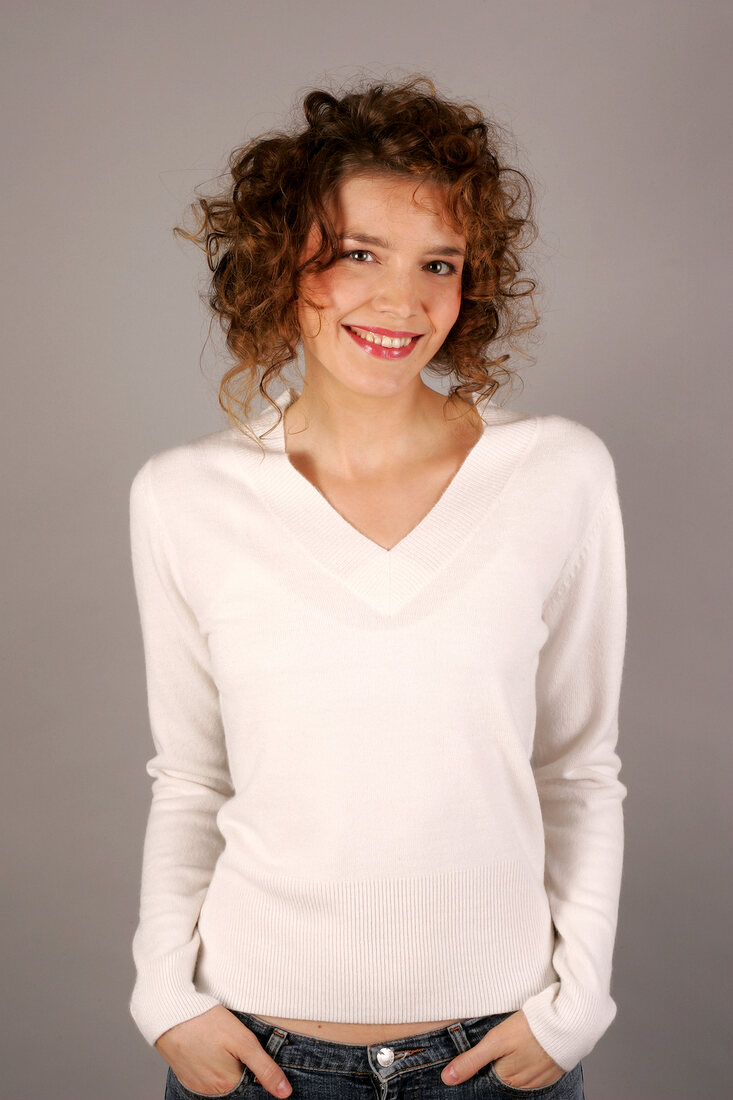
[396, 293]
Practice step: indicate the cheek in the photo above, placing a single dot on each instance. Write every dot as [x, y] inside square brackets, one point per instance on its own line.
[323, 291]
[339, 294]
[447, 307]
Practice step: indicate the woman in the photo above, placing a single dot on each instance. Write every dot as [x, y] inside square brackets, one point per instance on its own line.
[384, 636]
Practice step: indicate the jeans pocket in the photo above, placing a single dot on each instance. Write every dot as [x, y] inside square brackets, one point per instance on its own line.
[177, 1089]
[567, 1087]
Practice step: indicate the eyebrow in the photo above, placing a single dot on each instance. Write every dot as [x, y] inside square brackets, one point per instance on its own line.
[365, 238]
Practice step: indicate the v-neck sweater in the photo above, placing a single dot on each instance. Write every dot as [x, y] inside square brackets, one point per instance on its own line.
[385, 781]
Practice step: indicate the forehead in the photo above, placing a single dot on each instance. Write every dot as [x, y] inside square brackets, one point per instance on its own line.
[367, 201]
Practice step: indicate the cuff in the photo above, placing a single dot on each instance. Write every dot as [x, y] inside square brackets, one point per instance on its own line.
[567, 1021]
[162, 998]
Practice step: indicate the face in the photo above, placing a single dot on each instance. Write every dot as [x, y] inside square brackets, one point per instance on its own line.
[399, 274]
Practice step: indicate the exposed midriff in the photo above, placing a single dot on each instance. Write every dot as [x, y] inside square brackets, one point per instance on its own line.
[354, 1033]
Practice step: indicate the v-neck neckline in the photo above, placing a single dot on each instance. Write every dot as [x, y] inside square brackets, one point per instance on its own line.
[389, 578]
[425, 519]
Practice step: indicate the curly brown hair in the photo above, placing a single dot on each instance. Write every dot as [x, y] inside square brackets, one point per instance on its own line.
[278, 188]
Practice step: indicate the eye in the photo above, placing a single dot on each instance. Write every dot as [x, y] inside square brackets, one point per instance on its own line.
[451, 268]
[355, 252]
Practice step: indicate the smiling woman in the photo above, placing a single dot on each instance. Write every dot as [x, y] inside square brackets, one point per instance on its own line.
[384, 631]
[273, 225]
[369, 298]
[382, 475]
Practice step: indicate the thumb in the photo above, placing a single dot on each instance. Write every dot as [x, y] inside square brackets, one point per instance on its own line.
[467, 1064]
[265, 1069]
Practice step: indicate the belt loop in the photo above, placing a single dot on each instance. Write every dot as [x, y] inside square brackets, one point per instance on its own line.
[277, 1037]
[457, 1033]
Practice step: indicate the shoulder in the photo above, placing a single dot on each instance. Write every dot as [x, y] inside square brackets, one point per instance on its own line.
[194, 481]
[177, 473]
[566, 452]
[569, 476]
[574, 452]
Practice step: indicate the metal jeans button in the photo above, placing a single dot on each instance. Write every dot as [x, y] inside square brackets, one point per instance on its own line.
[385, 1056]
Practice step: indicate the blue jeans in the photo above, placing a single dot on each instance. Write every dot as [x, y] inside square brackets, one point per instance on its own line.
[404, 1069]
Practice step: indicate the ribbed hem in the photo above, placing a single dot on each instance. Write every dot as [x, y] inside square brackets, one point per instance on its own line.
[567, 1021]
[393, 950]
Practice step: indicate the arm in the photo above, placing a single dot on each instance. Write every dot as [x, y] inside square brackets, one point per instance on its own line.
[190, 773]
[576, 770]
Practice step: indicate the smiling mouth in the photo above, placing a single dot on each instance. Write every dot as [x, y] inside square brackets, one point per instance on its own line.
[382, 347]
[397, 341]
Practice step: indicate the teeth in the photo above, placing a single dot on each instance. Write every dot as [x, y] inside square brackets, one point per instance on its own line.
[385, 341]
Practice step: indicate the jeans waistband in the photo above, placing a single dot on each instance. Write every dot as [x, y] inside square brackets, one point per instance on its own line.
[385, 1060]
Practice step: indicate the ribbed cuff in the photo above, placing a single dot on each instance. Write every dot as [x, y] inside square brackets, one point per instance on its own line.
[163, 997]
[567, 1021]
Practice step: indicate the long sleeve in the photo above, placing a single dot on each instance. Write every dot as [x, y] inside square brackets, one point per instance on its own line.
[190, 773]
[576, 770]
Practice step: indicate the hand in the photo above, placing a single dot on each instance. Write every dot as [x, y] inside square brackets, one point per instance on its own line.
[518, 1058]
[208, 1054]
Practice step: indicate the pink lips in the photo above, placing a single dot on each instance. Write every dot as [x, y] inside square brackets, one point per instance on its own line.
[385, 353]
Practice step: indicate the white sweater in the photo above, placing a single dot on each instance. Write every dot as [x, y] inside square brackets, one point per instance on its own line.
[385, 783]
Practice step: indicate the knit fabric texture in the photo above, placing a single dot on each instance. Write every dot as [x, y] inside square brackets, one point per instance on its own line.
[385, 782]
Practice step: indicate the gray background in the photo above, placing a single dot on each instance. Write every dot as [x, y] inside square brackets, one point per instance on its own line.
[112, 114]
